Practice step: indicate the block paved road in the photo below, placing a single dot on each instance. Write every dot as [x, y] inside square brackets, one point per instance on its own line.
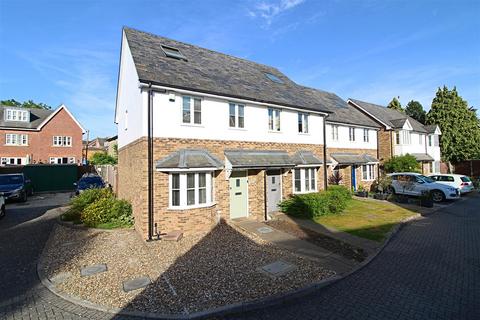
[430, 270]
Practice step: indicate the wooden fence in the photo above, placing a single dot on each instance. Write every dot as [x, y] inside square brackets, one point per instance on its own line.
[109, 174]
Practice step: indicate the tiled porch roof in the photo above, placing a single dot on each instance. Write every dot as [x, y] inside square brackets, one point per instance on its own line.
[259, 159]
[352, 158]
[422, 157]
[189, 158]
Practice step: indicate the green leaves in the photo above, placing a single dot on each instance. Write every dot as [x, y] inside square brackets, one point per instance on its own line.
[415, 110]
[460, 139]
[102, 158]
[25, 104]
[395, 105]
[405, 163]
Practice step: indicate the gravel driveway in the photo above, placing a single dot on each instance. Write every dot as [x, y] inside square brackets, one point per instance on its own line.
[199, 272]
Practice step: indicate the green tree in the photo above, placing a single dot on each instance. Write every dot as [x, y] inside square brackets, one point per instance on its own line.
[395, 105]
[405, 163]
[102, 158]
[460, 139]
[25, 104]
[415, 110]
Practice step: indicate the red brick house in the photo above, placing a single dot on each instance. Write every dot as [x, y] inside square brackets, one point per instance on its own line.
[29, 136]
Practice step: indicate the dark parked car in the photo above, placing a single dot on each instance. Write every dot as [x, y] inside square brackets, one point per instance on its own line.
[15, 186]
[89, 181]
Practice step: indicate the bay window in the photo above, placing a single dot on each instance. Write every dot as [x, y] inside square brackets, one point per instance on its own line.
[368, 172]
[305, 180]
[190, 189]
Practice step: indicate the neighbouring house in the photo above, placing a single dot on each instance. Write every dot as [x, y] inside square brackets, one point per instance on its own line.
[93, 146]
[229, 138]
[401, 134]
[111, 144]
[29, 136]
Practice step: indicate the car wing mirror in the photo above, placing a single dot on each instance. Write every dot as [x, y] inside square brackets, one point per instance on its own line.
[75, 184]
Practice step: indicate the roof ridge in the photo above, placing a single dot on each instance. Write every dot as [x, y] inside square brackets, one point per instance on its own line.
[210, 50]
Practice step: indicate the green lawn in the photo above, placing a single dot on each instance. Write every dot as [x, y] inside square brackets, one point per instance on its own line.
[367, 218]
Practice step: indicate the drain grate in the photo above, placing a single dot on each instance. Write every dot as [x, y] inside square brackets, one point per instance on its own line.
[265, 230]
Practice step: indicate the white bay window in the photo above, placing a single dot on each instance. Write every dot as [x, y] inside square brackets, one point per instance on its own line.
[368, 172]
[190, 189]
[304, 180]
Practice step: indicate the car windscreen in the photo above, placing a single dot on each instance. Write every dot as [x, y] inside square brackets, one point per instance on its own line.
[465, 179]
[90, 181]
[426, 179]
[14, 179]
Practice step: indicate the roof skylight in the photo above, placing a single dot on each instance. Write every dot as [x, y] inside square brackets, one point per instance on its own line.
[273, 77]
[173, 53]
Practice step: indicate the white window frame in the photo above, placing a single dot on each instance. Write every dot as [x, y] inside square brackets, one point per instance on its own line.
[368, 172]
[236, 116]
[366, 135]
[16, 139]
[16, 115]
[191, 110]
[351, 134]
[420, 139]
[430, 140]
[59, 160]
[335, 132]
[302, 122]
[7, 161]
[62, 141]
[305, 173]
[183, 190]
[274, 119]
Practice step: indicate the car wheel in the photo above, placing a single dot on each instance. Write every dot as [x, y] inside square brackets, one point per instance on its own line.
[391, 190]
[438, 196]
[2, 211]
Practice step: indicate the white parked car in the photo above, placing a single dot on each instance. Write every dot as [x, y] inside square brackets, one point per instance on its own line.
[458, 181]
[411, 183]
[2, 206]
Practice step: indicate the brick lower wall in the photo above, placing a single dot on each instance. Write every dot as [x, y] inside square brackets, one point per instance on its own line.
[132, 183]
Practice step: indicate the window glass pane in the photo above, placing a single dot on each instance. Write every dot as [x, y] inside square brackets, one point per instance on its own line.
[298, 187]
[232, 115]
[202, 181]
[277, 120]
[175, 197]
[312, 179]
[270, 119]
[197, 105]
[202, 196]
[241, 117]
[300, 128]
[175, 181]
[190, 180]
[307, 179]
[305, 123]
[190, 197]
[364, 172]
[186, 109]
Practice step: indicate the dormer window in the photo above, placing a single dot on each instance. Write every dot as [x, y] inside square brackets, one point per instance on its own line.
[16, 115]
[173, 53]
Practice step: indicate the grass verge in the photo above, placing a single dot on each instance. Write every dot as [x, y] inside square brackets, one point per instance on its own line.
[368, 219]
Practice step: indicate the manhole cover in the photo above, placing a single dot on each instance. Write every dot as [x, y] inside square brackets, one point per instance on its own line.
[265, 230]
[136, 283]
[277, 268]
[93, 269]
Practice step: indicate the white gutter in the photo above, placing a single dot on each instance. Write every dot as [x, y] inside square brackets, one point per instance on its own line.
[143, 86]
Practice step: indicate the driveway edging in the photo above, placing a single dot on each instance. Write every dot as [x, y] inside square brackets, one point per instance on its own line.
[227, 309]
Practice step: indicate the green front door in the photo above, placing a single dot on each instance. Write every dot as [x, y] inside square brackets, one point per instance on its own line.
[238, 194]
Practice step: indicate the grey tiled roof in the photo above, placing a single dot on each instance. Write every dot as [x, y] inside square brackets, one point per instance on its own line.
[213, 72]
[342, 111]
[305, 158]
[389, 116]
[37, 116]
[352, 158]
[422, 157]
[258, 159]
[189, 158]
[431, 128]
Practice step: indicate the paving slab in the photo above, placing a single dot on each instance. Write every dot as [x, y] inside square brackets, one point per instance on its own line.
[136, 284]
[93, 270]
[277, 268]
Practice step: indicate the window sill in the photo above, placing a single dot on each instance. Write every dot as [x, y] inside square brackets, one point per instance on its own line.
[63, 146]
[183, 208]
[304, 133]
[192, 125]
[237, 129]
[368, 180]
[272, 131]
[305, 192]
[16, 145]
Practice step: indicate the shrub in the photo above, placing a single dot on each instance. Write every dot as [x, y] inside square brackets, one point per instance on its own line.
[107, 210]
[310, 205]
[80, 202]
[405, 163]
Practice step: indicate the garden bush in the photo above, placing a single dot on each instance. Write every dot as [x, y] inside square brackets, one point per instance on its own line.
[95, 207]
[310, 205]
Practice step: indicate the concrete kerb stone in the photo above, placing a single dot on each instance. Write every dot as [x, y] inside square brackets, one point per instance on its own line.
[231, 308]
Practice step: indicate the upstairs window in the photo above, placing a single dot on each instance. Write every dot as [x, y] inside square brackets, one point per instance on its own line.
[302, 122]
[365, 135]
[420, 139]
[351, 133]
[187, 111]
[62, 141]
[236, 115]
[273, 119]
[16, 115]
[334, 133]
[173, 53]
[429, 141]
[14, 139]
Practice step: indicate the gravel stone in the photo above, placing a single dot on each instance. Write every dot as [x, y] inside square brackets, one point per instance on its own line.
[199, 272]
